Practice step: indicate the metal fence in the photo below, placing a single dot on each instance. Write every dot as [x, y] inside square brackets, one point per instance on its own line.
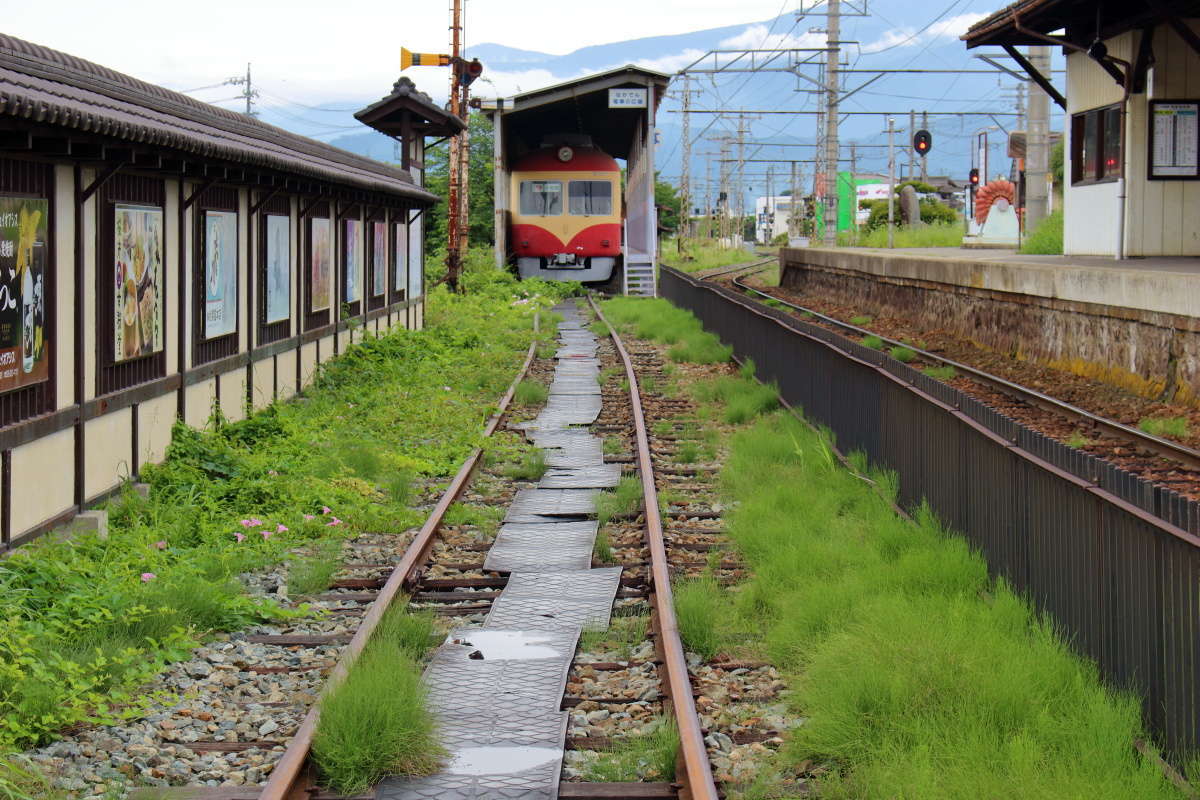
[1113, 559]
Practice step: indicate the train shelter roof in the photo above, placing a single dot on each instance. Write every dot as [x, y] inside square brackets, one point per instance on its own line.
[408, 108]
[1081, 22]
[57, 103]
[580, 106]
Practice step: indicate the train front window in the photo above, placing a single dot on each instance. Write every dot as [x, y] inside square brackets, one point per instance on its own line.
[541, 198]
[591, 198]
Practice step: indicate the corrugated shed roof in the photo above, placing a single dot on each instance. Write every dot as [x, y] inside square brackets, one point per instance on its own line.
[52, 88]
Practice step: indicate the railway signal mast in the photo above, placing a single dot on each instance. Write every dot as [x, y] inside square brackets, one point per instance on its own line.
[462, 74]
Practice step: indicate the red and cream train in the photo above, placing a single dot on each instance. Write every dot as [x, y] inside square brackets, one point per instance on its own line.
[566, 213]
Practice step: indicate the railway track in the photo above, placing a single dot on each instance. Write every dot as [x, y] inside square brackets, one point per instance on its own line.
[441, 567]
[1163, 448]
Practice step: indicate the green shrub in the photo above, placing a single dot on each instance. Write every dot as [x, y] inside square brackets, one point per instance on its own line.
[861, 321]
[530, 393]
[941, 373]
[903, 354]
[873, 342]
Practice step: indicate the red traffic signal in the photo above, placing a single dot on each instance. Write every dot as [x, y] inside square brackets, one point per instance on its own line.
[922, 142]
[974, 178]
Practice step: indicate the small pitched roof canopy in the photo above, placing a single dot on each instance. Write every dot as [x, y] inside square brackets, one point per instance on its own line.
[580, 106]
[48, 93]
[409, 112]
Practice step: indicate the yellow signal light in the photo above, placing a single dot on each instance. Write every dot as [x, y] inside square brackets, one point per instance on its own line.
[411, 59]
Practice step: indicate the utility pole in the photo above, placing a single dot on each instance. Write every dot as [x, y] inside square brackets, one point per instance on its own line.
[685, 181]
[456, 216]
[832, 56]
[770, 203]
[794, 208]
[741, 168]
[891, 182]
[1037, 144]
[912, 151]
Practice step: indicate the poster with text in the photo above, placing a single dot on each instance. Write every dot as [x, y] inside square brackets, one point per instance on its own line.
[138, 266]
[415, 262]
[220, 273]
[378, 258]
[401, 257]
[354, 260]
[319, 276]
[279, 268]
[23, 279]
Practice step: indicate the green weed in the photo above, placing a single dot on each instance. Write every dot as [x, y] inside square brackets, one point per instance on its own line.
[623, 636]
[648, 755]
[613, 445]
[376, 723]
[902, 354]
[531, 467]
[1165, 427]
[314, 573]
[602, 548]
[739, 398]
[873, 342]
[530, 393]
[861, 321]
[688, 453]
[699, 604]
[625, 499]
[941, 373]
[1046, 238]
[659, 321]
[1077, 440]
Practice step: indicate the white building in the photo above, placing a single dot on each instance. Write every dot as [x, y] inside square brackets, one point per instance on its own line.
[1147, 140]
[771, 216]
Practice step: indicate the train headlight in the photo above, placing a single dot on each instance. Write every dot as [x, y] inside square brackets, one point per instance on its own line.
[565, 153]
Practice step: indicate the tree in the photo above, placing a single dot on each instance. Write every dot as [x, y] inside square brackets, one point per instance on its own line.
[480, 188]
[670, 204]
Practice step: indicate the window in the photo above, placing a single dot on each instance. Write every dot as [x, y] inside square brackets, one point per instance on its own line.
[1096, 145]
[591, 198]
[541, 198]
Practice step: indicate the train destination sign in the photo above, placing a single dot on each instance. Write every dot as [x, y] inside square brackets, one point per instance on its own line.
[626, 98]
[23, 342]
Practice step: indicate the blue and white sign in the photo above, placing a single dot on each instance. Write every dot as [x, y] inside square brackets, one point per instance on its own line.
[627, 98]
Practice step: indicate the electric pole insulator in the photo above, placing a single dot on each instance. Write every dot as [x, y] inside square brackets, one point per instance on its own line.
[922, 142]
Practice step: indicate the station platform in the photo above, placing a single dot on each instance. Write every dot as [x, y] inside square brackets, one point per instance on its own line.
[1166, 284]
[1134, 323]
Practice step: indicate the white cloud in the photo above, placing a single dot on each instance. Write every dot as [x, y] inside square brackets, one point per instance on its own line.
[759, 37]
[950, 28]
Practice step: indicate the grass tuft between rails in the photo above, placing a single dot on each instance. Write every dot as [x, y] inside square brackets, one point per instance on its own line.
[376, 722]
[1165, 427]
[625, 499]
[648, 755]
[657, 320]
[918, 675]
[530, 393]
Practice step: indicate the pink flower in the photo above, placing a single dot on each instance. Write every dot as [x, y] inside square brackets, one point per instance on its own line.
[265, 534]
[148, 576]
[326, 510]
[335, 521]
[272, 473]
[250, 523]
[160, 544]
[281, 528]
[309, 516]
[241, 537]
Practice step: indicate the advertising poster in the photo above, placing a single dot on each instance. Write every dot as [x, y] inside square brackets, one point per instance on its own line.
[378, 258]
[220, 273]
[319, 276]
[414, 256]
[138, 306]
[279, 272]
[401, 276]
[354, 260]
[23, 358]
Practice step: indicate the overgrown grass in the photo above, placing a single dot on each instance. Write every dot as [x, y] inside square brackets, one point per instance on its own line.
[376, 722]
[530, 467]
[1077, 440]
[645, 756]
[901, 353]
[623, 636]
[687, 453]
[625, 499]
[84, 622]
[602, 548]
[1168, 427]
[739, 398]
[1046, 238]
[860, 321]
[943, 234]
[700, 605]
[702, 254]
[873, 342]
[530, 393]
[918, 675]
[659, 321]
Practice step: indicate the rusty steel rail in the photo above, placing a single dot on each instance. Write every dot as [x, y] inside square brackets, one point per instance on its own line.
[292, 778]
[697, 781]
[1157, 445]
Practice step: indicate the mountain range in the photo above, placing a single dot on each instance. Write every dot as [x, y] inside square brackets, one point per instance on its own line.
[961, 93]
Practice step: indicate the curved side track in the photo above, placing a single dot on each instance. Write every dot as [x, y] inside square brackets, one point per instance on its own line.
[697, 779]
[292, 778]
[1161, 447]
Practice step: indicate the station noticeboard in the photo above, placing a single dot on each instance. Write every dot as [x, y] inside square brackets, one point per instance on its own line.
[628, 98]
[1174, 139]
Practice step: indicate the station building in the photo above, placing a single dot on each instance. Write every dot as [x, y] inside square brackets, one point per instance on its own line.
[1132, 103]
[161, 258]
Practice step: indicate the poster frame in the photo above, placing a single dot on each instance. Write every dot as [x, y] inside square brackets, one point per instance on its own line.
[1150, 141]
[45, 386]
